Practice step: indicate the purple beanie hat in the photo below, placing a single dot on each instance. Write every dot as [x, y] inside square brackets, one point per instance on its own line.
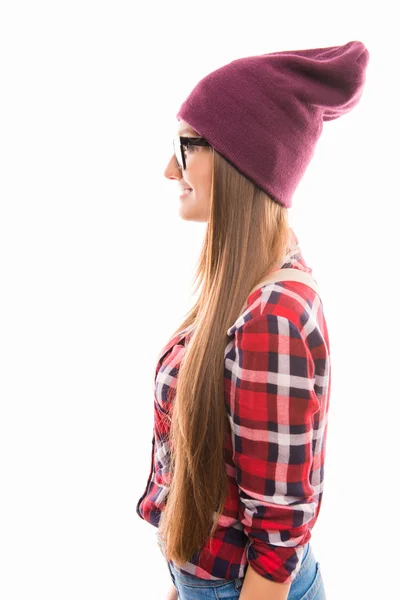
[265, 113]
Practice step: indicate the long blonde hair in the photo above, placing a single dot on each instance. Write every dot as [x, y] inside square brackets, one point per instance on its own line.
[248, 235]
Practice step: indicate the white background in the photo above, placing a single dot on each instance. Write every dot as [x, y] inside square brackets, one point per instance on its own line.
[96, 268]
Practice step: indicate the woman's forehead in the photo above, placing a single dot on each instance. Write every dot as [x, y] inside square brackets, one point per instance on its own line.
[185, 129]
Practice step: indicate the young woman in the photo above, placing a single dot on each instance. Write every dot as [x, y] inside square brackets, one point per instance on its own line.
[242, 387]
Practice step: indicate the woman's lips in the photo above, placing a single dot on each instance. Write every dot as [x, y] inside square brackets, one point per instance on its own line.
[185, 192]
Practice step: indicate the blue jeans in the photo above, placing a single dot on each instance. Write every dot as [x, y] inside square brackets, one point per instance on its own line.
[307, 585]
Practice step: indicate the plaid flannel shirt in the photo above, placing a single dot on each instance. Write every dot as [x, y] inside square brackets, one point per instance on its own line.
[277, 377]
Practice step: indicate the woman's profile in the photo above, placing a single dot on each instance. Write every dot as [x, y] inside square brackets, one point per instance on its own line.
[242, 387]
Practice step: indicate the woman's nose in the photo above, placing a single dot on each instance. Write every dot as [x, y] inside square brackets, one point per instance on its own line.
[171, 170]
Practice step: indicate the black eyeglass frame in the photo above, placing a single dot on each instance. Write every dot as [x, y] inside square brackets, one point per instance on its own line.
[180, 142]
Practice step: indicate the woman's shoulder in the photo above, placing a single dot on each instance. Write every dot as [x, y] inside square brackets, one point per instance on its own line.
[291, 299]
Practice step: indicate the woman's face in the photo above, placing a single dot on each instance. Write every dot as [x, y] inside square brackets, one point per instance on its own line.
[194, 205]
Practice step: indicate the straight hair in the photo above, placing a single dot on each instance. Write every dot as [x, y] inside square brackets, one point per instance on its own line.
[247, 236]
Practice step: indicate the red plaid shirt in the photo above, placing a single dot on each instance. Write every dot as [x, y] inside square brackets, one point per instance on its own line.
[277, 389]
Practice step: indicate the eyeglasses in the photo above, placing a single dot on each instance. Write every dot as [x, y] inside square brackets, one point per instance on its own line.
[181, 144]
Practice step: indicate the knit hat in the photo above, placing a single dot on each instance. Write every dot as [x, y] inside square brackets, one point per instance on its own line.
[265, 113]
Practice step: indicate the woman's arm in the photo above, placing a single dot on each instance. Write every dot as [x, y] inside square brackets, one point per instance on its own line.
[277, 454]
[172, 593]
[256, 587]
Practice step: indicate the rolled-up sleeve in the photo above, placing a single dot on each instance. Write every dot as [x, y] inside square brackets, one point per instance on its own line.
[273, 406]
